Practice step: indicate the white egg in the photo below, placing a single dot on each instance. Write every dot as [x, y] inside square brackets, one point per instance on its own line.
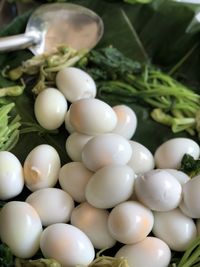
[109, 186]
[130, 222]
[68, 125]
[50, 108]
[151, 252]
[94, 223]
[169, 154]
[158, 190]
[126, 121]
[50, 212]
[75, 143]
[41, 167]
[92, 116]
[67, 244]
[106, 149]
[73, 178]
[175, 229]
[20, 228]
[142, 159]
[181, 177]
[191, 198]
[75, 84]
[11, 175]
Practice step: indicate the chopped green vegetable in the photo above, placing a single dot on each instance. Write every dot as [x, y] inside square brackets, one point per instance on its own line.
[120, 78]
[107, 261]
[12, 90]
[191, 257]
[45, 66]
[190, 166]
[9, 127]
[6, 257]
[37, 263]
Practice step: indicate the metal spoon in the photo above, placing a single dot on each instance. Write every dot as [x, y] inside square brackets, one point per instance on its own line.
[56, 24]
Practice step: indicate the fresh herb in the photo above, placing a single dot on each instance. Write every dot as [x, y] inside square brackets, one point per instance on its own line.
[6, 257]
[9, 127]
[105, 261]
[37, 263]
[120, 78]
[191, 257]
[190, 166]
[45, 67]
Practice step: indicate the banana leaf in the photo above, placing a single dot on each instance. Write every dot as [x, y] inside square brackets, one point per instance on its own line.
[161, 32]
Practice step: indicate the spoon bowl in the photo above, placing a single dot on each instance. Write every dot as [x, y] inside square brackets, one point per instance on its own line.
[56, 24]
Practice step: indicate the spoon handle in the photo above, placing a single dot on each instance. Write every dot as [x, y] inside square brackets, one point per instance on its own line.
[16, 42]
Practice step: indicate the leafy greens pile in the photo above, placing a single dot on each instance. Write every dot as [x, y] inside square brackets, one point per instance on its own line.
[121, 78]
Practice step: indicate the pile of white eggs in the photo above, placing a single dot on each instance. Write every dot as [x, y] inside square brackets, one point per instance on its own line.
[114, 191]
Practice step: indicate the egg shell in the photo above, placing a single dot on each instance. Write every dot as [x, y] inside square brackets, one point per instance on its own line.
[92, 116]
[73, 178]
[142, 160]
[158, 190]
[191, 198]
[130, 222]
[170, 153]
[41, 167]
[75, 84]
[106, 149]
[94, 223]
[50, 108]
[67, 244]
[75, 144]
[20, 228]
[175, 229]
[57, 211]
[151, 252]
[11, 176]
[126, 121]
[109, 186]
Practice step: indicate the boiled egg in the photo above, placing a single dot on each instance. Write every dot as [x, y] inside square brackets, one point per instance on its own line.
[50, 108]
[11, 175]
[106, 149]
[94, 223]
[175, 228]
[73, 178]
[41, 167]
[130, 222]
[109, 186]
[20, 228]
[158, 190]
[92, 116]
[75, 84]
[126, 121]
[74, 145]
[57, 211]
[191, 198]
[151, 252]
[142, 159]
[67, 244]
[170, 153]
